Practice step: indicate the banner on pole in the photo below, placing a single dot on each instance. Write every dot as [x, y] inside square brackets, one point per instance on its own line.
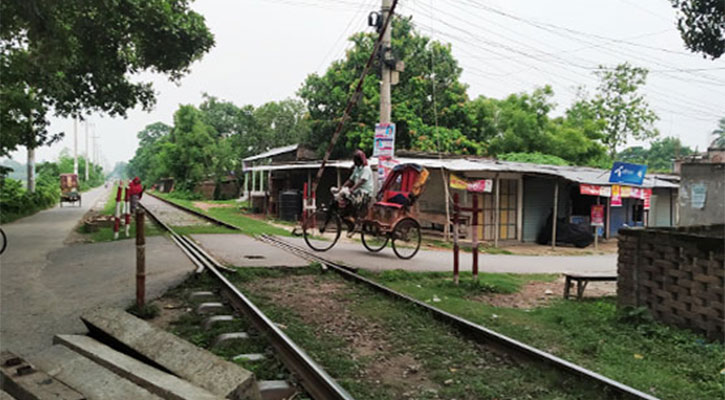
[384, 140]
[597, 215]
[616, 196]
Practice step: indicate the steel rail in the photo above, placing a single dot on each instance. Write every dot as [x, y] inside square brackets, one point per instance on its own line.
[475, 331]
[318, 384]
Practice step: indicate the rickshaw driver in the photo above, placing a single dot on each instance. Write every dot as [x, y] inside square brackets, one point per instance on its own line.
[360, 185]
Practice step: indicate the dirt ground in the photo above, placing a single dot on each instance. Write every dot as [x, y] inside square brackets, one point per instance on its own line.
[326, 305]
[533, 249]
[537, 294]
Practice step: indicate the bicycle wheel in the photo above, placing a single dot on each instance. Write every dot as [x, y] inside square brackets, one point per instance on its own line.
[4, 243]
[372, 238]
[322, 229]
[406, 238]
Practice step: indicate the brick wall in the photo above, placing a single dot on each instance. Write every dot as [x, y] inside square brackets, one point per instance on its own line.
[677, 273]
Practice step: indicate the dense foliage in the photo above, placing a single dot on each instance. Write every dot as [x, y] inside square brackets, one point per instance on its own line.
[17, 202]
[659, 157]
[77, 56]
[702, 25]
[209, 141]
[533, 158]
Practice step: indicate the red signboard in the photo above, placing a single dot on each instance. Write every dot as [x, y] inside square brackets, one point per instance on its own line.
[597, 216]
[591, 190]
[647, 198]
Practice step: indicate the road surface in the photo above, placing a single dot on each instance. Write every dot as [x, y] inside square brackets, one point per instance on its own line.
[45, 285]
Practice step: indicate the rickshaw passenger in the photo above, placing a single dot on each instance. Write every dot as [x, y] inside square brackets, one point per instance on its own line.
[361, 187]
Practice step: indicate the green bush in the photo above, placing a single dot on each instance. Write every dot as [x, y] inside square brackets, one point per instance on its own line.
[16, 202]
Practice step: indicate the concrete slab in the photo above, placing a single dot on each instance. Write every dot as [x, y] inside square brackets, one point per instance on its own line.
[23, 381]
[210, 322]
[355, 255]
[245, 251]
[276, 390]
[155, 381]
[183, 359]
[88, 377]
[211, 308]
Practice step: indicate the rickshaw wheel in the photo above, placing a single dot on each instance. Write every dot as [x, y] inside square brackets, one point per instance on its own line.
[372, 238]
[406, 238]
[322, 229]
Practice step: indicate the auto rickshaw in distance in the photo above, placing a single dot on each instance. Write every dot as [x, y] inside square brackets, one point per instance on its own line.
[69, 191]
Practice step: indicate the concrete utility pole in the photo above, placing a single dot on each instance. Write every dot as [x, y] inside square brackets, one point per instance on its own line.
[75, 146]
[386, 72]
[31, 157]
[87, 153]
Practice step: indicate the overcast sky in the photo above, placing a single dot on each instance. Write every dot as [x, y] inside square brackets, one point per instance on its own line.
[265, 49]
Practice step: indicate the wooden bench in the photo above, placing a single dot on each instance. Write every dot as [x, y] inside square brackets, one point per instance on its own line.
[581, 282]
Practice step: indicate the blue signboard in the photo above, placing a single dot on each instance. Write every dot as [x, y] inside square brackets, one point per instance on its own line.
[627, 173]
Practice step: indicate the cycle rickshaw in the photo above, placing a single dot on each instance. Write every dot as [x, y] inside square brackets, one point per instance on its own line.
[390, 219]
[69, 191]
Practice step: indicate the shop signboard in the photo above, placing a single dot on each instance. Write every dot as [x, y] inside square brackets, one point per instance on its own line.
[616, 196]
[597, 215]
[627, 173]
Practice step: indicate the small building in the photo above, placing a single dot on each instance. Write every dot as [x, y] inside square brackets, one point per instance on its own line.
[521, 198]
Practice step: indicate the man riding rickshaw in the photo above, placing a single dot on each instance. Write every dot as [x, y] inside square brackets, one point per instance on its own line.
[390, 218]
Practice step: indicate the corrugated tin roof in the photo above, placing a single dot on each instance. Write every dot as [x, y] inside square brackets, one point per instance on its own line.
[272, 152]
[586, 175]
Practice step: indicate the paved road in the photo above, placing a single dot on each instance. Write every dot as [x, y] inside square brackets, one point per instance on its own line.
[354, 254]
[45, 285]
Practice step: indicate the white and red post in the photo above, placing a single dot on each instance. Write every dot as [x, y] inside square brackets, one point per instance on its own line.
[127, 208]
[117, 215]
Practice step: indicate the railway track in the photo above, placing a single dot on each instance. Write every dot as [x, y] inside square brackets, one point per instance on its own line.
[318, 384]
[476, 332]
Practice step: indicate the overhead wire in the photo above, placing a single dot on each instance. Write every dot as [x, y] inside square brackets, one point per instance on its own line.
[692, 103]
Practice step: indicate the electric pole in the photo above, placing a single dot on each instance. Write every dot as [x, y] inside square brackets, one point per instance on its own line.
[75, 146]
[87, 153]
[31, 155]
[386, 71]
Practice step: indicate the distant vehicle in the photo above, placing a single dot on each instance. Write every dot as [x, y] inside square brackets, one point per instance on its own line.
[69, 191]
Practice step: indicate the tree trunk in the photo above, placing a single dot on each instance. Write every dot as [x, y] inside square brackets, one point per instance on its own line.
[31, 169]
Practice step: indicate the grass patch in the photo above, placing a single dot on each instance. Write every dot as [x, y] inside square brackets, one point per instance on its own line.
[441, 283]
[202, 229]
[147, 311]
[250, 226]
[667, 362]
[106, 234]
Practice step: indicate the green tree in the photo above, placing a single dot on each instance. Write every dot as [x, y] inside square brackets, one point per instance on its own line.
[659, 156]
[190, 154]
[521, 123]
[702, 25]
[281, 123]
[146, 163]
[326, 96]
[80, 56]
[719, 134]
[619, 103]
